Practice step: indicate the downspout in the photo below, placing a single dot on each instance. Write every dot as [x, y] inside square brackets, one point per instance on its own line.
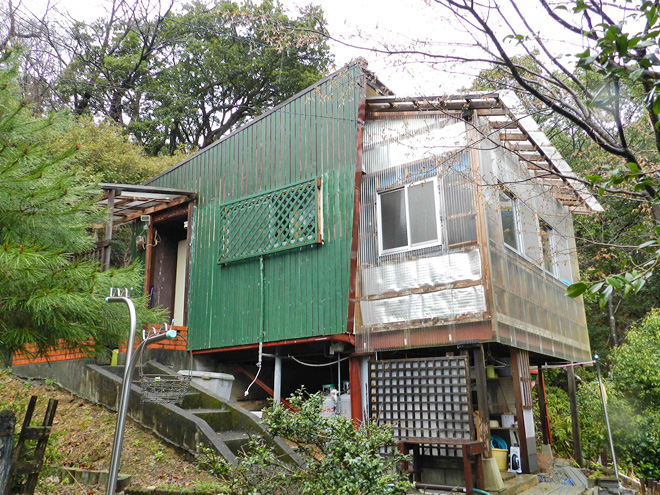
[262, 306]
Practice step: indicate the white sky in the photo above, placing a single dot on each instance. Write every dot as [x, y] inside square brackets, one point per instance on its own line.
[369, 23]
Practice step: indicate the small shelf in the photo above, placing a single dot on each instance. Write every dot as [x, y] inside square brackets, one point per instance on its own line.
[510, 428]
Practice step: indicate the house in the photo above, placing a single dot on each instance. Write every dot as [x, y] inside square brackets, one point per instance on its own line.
[413, 253]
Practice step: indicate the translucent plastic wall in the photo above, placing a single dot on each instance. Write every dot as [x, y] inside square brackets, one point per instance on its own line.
[532, 259]
[420, 269]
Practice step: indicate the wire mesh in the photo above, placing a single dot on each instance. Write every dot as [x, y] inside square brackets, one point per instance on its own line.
[164, 389]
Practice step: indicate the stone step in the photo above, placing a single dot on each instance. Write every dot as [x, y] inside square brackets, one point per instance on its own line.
[218, 419]
[517, 483]
[233, 436]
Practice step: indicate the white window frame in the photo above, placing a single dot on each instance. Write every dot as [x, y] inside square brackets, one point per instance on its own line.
[410, 247]
[515, 209]
[549, 230]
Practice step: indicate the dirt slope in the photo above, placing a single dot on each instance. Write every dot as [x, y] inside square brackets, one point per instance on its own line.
[82, 437]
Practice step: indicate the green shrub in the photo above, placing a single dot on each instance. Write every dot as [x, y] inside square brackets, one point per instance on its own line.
[338, 458]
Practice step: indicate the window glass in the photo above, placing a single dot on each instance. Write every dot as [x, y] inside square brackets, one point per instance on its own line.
[423, 218]
[509, 221]
[547, 248]
[409, 217]
[394, 227]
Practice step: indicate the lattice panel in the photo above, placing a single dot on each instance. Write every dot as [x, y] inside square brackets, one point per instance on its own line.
[282, 219]
[427, 398]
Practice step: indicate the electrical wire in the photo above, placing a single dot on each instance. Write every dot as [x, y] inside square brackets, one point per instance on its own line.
[317, 365]
[247, 390]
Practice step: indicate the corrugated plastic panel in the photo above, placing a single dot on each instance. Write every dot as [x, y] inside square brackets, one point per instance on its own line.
[305, 289]
[418, 286]
[422, 272]
[447, 304]
[530, 308]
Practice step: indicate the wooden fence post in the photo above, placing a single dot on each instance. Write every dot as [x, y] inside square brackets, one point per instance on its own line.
[7, 426]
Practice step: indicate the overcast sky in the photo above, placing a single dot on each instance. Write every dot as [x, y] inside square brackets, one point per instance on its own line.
[365, 23]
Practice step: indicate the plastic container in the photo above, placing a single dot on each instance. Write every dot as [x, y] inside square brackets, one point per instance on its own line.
[500, 456]
[508, 420]
[219, 384]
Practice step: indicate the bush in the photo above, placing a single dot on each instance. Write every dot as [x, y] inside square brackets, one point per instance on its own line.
[636, 379]
[338, 457]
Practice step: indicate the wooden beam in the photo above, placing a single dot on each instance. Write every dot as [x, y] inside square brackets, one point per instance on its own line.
[108, 231]
[521, 147]
[262, 385]
[483, 425]
[513, 136]
[151, 210]
[533, 157]
[147, 259]
[518, 398]
[495, 124]
[356, 389]
[7, 428]
[487, 112]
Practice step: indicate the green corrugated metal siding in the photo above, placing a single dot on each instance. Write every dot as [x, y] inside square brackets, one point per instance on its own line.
[306, 289]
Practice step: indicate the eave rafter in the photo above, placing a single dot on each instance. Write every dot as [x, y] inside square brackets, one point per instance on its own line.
[129, 202]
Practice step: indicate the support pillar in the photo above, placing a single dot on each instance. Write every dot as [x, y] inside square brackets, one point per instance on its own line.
[522, 391]
[148, 255]
[543, 409]
[483, 423]
[108, 230]
[575, 423]
[356, 389]
[277, 385]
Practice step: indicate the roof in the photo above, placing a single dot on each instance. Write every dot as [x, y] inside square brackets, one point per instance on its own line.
[516, 130]
[131, 201]
[374, 87]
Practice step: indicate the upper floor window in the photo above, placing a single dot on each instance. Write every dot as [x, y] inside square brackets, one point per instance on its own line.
[408, 217]
[548, 247]
[510, 213]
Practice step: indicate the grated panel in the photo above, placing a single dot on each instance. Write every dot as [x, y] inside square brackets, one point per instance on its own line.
[281, 219]
[426, 398]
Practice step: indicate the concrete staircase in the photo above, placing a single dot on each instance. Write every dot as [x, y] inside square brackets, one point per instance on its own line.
[201, 419]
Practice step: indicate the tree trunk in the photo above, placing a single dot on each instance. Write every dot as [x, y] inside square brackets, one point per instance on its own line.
[612, 322]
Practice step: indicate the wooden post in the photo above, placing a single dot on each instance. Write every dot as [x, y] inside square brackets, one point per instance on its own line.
[483, 425]
[543, 409]
[148, 253]
[522, 391]
[7, 426]
[108, 230]
[575, 423]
